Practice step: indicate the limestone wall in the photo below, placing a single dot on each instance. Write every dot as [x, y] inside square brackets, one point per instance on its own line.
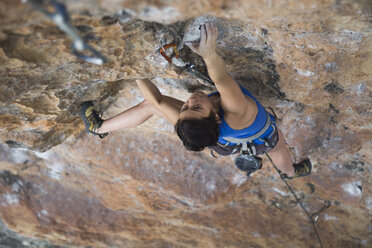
[309, 60]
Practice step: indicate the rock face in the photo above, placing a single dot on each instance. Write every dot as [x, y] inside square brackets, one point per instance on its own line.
[309, 60]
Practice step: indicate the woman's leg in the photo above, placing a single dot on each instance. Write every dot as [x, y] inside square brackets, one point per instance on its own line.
[281, 157]
[129, 118]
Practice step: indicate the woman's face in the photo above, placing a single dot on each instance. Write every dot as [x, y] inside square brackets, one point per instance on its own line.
[197, 106]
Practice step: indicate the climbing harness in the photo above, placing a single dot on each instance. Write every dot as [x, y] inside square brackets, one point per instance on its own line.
[247, 143]
[60, 17]
[191, 68]
[312, 217]
[247, 160]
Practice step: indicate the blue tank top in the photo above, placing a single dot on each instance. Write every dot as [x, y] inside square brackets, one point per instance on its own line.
[255, 127]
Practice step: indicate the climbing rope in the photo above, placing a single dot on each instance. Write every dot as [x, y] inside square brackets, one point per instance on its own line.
[191, 68]
[58, 14]
[312, 217]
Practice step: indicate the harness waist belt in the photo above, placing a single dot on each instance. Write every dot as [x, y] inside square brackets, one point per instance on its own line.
[253, 137]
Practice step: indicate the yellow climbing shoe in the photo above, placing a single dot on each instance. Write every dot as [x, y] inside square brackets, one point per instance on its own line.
[301, 169]
[91, 118]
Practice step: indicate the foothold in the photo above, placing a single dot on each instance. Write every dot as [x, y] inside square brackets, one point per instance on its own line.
[331, 67]
[334, 88]
[300, 107]
[355, 165]
[333, 121]
[147, 10]
[91, 36]
[334, 112]
[264, 31]
[14, 144]
[8, 178]
[333, 109]
[311, 186]
[125, 15]
[360, 187]
[83, 29]
[337, 203]
[109, 20]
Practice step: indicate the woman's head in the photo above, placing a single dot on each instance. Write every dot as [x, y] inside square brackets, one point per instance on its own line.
[198, 125]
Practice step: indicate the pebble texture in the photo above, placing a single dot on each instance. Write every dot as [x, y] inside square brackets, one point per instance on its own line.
[59, 187]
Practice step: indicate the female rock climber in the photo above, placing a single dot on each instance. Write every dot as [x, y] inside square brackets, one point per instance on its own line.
[228, 121]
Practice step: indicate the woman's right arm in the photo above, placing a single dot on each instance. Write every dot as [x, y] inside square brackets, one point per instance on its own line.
[168, 106]
[233, 100]
[149, 91]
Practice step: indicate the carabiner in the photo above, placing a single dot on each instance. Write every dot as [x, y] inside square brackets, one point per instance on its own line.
[175, 51]
[315, 216]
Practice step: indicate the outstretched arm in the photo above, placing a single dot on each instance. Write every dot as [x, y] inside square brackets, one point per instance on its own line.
[168, 106]
[233, 100]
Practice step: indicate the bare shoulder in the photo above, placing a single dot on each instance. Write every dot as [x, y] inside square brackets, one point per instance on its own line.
[246, 119]
[240, 110]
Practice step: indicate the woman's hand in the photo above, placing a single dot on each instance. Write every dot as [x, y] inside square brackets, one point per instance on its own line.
[207, 45]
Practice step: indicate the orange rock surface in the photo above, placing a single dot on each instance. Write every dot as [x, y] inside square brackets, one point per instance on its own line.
[59, 187]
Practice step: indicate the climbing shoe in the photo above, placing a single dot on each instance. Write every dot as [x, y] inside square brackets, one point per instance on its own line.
[91, 119]
[301, 169]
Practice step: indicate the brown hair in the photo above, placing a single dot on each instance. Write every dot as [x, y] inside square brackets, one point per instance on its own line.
[196, 134]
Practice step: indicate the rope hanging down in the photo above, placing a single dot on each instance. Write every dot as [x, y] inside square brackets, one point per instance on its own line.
[187, 67]
[60, 17]
[312, 217]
